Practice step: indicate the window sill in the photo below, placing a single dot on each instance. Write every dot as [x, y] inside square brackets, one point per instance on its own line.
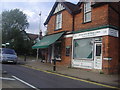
[87, 22]
[87, 59]
[57, 29]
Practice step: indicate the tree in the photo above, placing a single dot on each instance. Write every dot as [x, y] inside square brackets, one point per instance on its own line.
[0, 31]
[13, 22]
[13, 19]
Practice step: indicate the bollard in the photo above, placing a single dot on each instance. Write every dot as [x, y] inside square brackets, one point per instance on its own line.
[24, 57]
[54, 64]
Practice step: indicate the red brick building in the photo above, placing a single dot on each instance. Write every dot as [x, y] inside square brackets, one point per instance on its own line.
[84, 35]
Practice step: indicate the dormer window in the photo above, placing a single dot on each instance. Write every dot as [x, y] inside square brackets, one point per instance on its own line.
[58, 21]
[87, 12]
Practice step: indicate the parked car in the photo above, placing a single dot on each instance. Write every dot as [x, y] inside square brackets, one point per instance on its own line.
[8, 55]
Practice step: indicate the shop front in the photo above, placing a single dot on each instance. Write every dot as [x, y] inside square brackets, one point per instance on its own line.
[87, 49]
[54, 52]
[87, 53]
[51, 46]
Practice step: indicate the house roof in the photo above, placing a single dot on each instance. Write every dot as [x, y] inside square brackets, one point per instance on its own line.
[32, 36]
[70, 7]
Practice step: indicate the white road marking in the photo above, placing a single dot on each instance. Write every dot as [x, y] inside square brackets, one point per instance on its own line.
[6, 78]
[25, 83]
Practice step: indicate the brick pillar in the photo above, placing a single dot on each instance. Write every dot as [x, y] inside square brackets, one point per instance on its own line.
[105, 49]
[110, 50]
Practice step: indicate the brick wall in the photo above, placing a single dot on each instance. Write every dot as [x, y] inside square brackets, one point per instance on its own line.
[51, 25]
[66, 23]
[114, 19]
[113, 14]
[110, 49]
[66, 60]
[99, 18]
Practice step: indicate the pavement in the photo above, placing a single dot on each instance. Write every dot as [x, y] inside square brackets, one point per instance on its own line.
[112, 80]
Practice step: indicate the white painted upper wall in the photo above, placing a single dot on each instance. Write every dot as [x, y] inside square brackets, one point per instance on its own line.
[59, 8]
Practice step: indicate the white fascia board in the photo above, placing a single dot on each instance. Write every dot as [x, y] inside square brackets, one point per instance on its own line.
[97, 33]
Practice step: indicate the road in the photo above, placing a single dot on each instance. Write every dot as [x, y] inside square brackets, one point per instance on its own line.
[39, 79]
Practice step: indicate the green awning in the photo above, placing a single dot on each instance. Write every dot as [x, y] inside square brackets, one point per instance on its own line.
[47, 40]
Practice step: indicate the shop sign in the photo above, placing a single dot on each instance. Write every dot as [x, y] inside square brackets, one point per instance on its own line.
[96, 33]
[82, 64]
[113, 32]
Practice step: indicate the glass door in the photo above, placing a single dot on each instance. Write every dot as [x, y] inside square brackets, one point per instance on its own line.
[98, 56]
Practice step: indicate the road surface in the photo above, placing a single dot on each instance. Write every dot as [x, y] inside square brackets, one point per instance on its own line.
[39, 79]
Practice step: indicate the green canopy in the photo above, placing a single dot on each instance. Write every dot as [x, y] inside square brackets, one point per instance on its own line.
[47, 40]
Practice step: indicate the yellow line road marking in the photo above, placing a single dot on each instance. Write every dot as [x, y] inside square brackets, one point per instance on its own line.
[108, 86]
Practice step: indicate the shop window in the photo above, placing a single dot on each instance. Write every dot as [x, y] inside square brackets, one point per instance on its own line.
[83, 49]
[87, 11]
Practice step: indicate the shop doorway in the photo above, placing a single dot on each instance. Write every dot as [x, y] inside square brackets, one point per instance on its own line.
[98, 56]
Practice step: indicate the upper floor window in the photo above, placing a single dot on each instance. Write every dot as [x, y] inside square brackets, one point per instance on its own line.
[58, 21]
[87, 11]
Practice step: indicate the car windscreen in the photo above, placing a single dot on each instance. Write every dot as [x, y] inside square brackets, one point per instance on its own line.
[8, 51]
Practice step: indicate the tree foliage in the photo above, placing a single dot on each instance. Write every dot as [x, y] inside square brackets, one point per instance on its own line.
[13, 20]
[13, 23]
[0, 30]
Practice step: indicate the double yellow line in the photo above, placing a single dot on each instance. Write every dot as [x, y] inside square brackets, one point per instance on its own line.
[107, 86]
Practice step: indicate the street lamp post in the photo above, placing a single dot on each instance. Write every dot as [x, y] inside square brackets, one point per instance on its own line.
[37, 53]
[39, 36]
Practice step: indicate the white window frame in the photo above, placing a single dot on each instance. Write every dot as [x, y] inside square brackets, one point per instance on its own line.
[87, 10]
[58, 21]
[84, 58]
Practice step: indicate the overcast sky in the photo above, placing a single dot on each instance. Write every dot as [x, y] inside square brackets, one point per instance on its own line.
[32, 9]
